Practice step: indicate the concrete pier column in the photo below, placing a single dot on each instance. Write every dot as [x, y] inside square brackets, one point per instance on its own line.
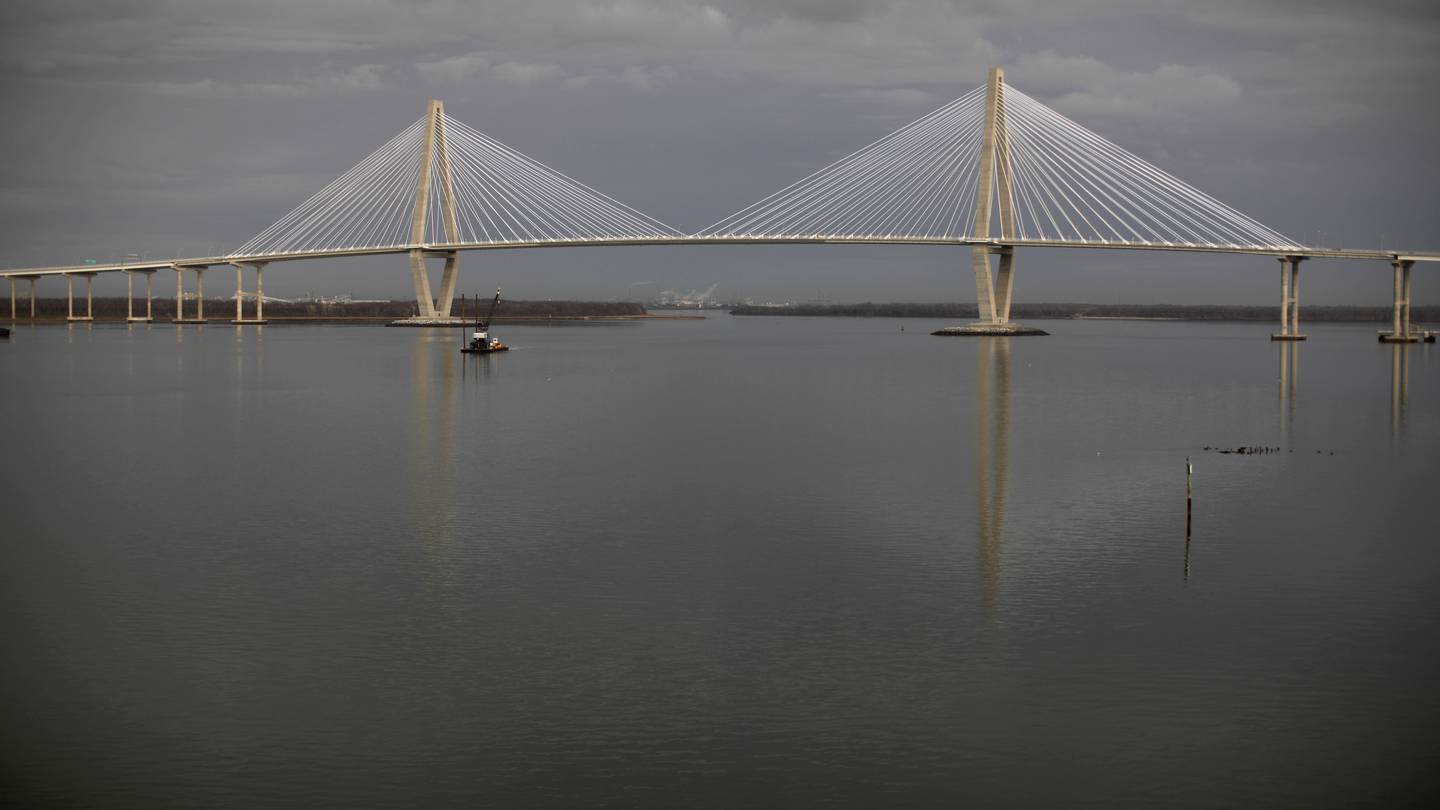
[1295, 296]
[32, 298]
[984, 286]
[1398, 298]
[1289, 299]
[1401, 330]
[179, 294]
[241, 295]
[423, 302]
[199, 293]
[1284, 296]
[129, 296]
[1405, 316]
[447, 284]
[70, 298]
[1004, 285]
[149, 276]
[12, 299]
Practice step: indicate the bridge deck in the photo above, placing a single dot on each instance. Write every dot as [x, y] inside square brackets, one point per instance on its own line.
[212, 261]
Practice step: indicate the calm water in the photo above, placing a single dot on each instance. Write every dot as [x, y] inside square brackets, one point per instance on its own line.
[723, 563]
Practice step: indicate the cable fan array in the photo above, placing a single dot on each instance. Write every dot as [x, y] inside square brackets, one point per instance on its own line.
[917, 182]
[1069, 185]
[500, 197]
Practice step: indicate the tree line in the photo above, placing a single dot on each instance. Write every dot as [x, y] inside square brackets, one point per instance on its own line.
[1185, 312]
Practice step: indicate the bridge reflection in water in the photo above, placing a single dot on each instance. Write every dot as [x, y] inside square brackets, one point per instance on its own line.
[434, 464]
[1399, 388]
[1289, 381]
[992, 461]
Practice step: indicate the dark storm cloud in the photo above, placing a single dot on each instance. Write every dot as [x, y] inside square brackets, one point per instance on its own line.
[171, 126]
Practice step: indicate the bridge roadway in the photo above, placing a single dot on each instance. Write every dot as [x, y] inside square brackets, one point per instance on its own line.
[1400, 260]
[438, 249]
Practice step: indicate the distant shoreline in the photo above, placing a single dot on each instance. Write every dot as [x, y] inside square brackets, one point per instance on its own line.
[1097, 312]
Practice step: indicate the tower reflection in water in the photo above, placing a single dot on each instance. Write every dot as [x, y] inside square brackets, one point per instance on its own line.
[1289, 379]
[992, 461]
[434, 423]
[1399, 389]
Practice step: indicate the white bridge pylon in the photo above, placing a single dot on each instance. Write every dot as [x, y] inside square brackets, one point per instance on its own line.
[440, 182]
[1056, 182]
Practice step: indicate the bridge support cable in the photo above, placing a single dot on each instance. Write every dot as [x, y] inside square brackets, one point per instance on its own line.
[367, 206]
[1076, 186]
[913, 182]
[441, 184]
[1057, 183]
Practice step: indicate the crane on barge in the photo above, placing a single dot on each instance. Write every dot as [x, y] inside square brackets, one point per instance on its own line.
[481, 342]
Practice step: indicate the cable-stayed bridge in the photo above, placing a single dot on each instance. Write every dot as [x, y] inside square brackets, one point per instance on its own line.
[994, 170]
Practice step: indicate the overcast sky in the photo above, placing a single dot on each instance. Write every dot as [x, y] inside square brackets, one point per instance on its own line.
[186, 127]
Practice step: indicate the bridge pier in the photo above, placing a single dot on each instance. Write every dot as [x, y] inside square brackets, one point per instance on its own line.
[447, 284]
[12, 298]
[130, 296]
[1401, 329]
[425, 305]
[432, 311]
[258, 295]
[180, 295]
[70, 315]
[1289, 299]
[992, 296]
[32, 298]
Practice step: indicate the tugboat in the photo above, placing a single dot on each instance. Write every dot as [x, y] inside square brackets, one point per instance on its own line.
[480, 341]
